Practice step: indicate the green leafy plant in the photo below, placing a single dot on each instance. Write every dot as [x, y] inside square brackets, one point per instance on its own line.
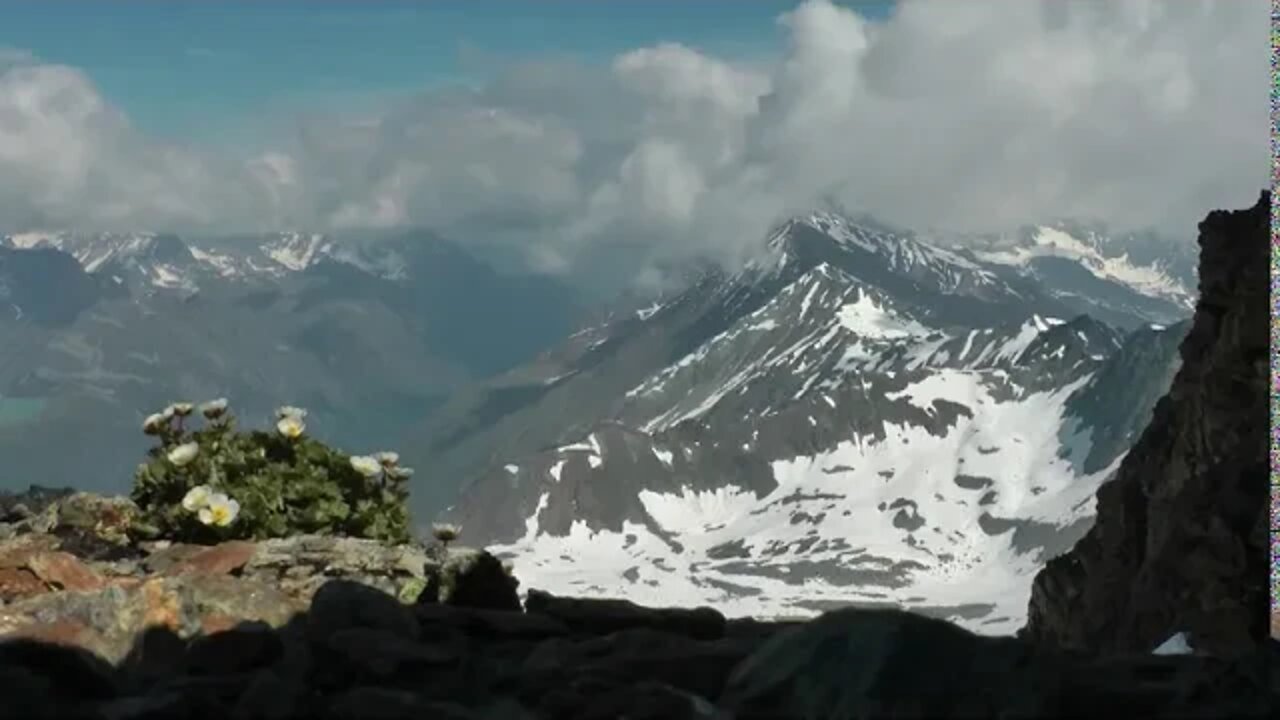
[215, 482]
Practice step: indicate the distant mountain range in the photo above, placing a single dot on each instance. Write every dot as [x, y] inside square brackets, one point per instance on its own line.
[860, 415]
[369, 334]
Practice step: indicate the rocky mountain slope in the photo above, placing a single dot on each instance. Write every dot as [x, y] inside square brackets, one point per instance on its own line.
[97, 331]
[1103, 274]
[856, 417]
[1180, 541]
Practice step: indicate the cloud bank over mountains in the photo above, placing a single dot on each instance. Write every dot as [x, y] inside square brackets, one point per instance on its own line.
[974, 116]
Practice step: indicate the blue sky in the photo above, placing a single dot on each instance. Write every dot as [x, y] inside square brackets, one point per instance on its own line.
[191, 69]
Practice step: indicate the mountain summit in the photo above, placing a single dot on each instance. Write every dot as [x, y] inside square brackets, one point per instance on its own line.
[857, 416]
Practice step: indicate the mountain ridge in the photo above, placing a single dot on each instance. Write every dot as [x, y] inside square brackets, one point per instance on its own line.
[1180, 543]
[89, 353]
[691, 419]
[740, 288]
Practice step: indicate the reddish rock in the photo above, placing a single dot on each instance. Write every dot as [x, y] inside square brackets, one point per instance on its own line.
[160, 560]
[161, 605]
[64, 572]
[216, 622]
[221, 559]
[19, 583]
[15, 553]
[61, 632]
[30, 566]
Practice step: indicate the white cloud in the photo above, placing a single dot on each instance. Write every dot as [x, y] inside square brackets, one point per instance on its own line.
[961, 115]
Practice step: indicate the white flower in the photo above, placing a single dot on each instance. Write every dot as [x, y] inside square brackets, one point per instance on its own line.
[291, 426]
[366, 465]
[214, 408]
[289, 411]
[154, 423]
[387, 458]
[184, 453]
[401, 473]
[445, 532]
[197, 498]
[182, 409]
[167, 413]
[220, 511]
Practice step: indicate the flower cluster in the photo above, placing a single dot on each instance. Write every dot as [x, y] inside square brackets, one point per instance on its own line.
[171, 418]
[382, 466]
[212, 508]
[208, 483]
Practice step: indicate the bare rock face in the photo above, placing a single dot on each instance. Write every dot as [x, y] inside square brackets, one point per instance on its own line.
[471, 578]
[1179, 544]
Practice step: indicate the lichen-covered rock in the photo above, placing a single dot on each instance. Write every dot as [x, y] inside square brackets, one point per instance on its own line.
[69, 574]
[467, 577]
[93, 527]
[302, 564]
[1180, 540]
[358, 652]
[15, 507]
[106, 621]
[109, 518]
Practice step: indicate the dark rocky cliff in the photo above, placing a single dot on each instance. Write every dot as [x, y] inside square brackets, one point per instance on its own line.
[1179, 544]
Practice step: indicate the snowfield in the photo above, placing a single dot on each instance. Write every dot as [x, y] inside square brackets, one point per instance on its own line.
[893, 521]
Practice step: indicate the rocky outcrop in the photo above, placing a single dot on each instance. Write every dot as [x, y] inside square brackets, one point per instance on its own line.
[318, 627]
[1180, 540]
[890, 664]
[357, 652]
[70, 572]
[21, 505]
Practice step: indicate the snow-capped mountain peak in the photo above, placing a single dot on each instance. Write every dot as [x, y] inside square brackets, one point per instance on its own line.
[1089, 250]
[91, 250]
[904, 252]
[155, 260]
[297, 251]
[151, 260]
[857, 417]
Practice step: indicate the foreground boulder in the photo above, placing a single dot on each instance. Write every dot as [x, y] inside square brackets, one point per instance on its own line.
[891, 664]
[1180, 540]
[359, 652]
[69, 573]
[324, 627]
[470, 578]
[606, 616]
